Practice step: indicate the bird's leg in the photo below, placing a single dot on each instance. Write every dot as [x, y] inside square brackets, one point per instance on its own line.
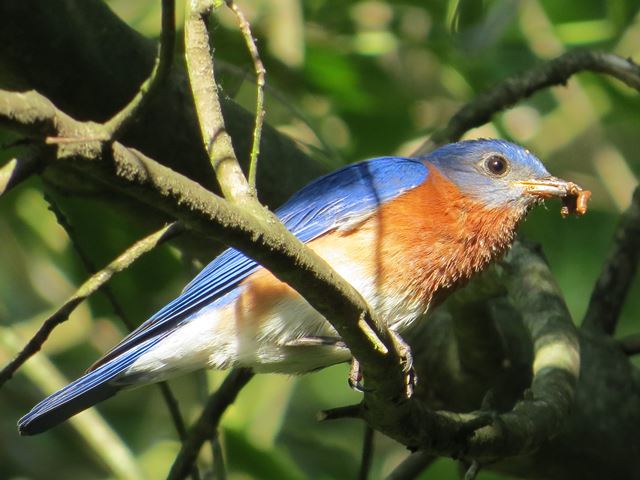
[316, 341]
[355, 372]
[406, 358]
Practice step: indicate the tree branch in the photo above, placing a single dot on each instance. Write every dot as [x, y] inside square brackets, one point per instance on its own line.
[161, 69]
[523, 85]
[30, 114]
[217, 141]
[618, 271]
[208, 421]
[90, 286]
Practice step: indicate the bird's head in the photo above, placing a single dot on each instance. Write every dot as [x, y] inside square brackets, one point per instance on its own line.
[498, 173]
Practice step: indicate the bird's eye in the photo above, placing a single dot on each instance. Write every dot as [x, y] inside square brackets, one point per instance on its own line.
[496, 165]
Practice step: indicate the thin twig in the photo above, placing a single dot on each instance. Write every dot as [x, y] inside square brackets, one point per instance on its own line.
[472, 471]
[412, 466]
[617, 274]
[102, 137]
[202, 430]
[258, 66]
[217, 141]
[174, 409]
[367, 452]
[325, 148]
[523, 85]
[90, 286]
[178, 422]
[161, 69]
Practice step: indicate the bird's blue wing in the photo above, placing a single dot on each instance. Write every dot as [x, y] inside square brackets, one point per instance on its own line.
[328, 203]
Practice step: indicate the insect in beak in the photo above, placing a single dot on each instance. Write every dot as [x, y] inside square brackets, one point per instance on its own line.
[574, 198]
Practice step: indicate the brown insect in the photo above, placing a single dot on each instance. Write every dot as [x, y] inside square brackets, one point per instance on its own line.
[575, 201]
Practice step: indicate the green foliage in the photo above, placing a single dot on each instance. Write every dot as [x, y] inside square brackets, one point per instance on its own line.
[368, 78]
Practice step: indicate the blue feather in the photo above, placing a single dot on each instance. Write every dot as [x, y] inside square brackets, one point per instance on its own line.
[332, 202]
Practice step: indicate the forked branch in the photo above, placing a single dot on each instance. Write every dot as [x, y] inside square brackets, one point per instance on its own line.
[520, 86]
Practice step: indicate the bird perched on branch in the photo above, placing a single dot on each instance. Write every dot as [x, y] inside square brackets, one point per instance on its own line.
[402, 231]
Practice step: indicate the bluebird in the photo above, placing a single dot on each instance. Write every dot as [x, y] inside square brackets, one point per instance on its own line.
[403, 231]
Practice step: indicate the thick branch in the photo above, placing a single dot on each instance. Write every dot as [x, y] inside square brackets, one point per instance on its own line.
[29, 113]
[515, 88]
[556, 366]
[618, 271]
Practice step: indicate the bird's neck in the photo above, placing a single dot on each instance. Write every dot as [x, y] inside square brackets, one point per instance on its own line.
[437, 238]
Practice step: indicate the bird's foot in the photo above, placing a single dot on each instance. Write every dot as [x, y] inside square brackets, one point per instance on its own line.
[406, 359]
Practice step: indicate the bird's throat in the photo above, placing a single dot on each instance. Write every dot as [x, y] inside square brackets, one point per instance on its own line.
[435, 238]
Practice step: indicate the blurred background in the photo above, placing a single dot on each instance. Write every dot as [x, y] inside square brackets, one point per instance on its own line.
[347, 81]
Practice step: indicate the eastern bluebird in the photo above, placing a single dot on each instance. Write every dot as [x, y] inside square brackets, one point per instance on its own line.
[402, 231]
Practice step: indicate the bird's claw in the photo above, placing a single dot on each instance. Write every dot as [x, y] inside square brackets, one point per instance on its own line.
[406, 360]
[355, 376]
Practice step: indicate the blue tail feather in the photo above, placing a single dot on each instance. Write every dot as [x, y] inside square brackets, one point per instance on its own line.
[93, 387]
